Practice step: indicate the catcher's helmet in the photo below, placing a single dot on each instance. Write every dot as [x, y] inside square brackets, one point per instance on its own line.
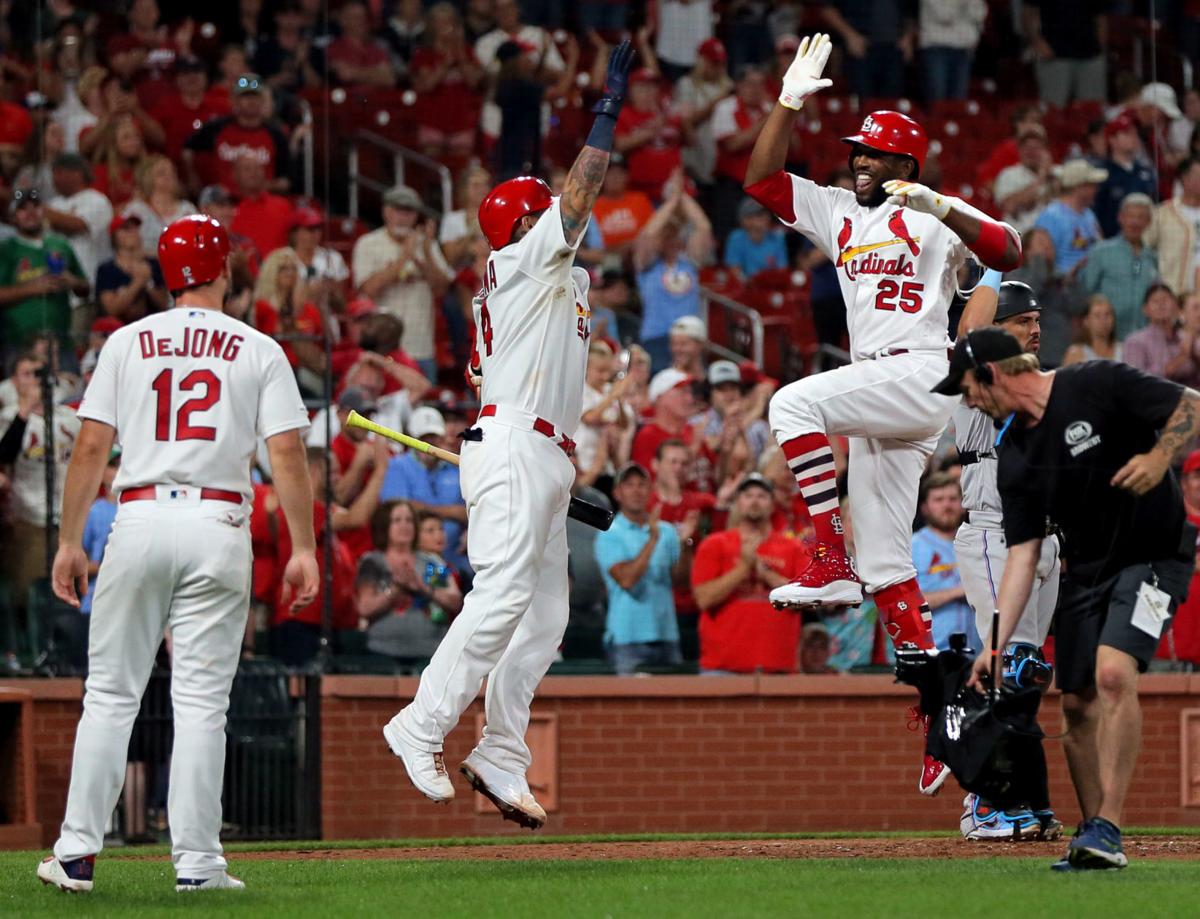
[1016, 297]
[192, 251]
[507, 203]
[892, 132]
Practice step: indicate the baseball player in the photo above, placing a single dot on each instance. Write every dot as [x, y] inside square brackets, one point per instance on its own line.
[187, 393]
[981, 550]
[897, 246]
[533, 327]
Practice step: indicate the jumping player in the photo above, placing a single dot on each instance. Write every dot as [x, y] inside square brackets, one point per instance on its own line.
[982, 553]
[898, 247]
[532, 334]
[187, 393]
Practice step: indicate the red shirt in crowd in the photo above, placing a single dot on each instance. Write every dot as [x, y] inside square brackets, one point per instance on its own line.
[358, 540]
[180, 121]
[646, 443]
[732, 117]
[746, 634]
[222, 141]
[675, 513]
[353, 53]
[307, 322]
[1184, 637]
[451, 106]
[621, 219]
[342, 359]
[118, 188]
[651, 164]
[264, 220]
[345, 613]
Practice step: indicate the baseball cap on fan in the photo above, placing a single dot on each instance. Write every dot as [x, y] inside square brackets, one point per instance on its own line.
[691, 326]
[977, 347]
[426, 420]
[1192, 463]
[1162, 97]
[720, 372]
[356, 400]
[1074, 173]
[666, 380]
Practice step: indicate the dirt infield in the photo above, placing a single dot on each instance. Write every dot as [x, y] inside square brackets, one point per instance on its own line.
[1149, 847]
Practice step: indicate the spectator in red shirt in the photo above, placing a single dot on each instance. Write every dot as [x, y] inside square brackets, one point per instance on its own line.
[357, 59]
[620, 211]
[244, 260]
[446, 76]
[650, 137]
[120, 150]
[261, 216]
[214, 150]
[358, 470]
[683, 507]
[673, 403]
[733, 573]
[1183, 641]
[296, 634]
[736, 121]
[189, 108]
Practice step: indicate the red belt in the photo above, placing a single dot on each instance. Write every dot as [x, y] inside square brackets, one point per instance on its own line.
[150, 492]
[542, 426]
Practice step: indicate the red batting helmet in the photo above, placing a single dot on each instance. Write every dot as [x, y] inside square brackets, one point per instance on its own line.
[507, 203]
[891, 132]
[192, 251]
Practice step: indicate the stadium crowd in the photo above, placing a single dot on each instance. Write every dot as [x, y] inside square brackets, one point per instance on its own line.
[112, 125]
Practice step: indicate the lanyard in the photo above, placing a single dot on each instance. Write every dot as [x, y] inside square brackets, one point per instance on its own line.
[1004, 430]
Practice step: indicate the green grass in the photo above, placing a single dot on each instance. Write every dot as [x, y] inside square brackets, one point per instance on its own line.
[619, 888]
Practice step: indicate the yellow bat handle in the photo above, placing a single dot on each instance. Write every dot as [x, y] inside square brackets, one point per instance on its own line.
[355, 420]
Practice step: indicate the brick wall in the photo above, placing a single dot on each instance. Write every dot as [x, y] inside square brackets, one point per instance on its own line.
[754, 754]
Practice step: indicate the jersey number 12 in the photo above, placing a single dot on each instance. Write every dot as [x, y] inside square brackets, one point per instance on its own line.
[184, 429]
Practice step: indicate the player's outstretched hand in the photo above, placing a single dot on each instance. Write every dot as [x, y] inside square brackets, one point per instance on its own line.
[70, 576]
[301, 580]
[918, 197]
[803, 77]
[616, 80]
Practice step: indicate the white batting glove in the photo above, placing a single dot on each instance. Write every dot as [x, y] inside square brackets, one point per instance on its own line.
[918, 197]
[803, 78]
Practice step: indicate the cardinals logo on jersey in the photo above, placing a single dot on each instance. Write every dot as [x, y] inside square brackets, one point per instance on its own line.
[849, 256]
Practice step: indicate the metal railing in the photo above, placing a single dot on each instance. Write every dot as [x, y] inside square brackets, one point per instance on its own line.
[745, 331]
[306, 120]
[272, 760]
[401, 157]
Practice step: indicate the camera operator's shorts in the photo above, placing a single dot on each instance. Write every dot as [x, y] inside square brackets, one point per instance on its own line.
[1090, 615]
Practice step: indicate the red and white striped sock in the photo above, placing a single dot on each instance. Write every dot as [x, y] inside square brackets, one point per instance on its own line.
[811, 461]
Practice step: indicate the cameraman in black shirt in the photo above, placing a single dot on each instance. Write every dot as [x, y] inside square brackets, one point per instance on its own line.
[1088, 449]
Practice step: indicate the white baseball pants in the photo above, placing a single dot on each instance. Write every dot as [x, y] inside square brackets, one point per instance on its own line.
[517, 485]
[182, 563]
[982, 553]
[893, 421]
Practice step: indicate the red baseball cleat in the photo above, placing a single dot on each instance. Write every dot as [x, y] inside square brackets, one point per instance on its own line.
[933, 776]
[829, 580]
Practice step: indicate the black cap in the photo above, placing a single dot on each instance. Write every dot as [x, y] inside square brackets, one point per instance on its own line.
[1016, 297]
[356, 400]
[755, 480]
[631, 469]
[973, 350]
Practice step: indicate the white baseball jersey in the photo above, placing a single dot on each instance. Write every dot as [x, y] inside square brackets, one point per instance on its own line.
[189, 391]
[897, 267]
[533, 323]
[976, 431]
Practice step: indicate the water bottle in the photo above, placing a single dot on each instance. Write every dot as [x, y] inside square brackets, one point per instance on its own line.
[55, 262]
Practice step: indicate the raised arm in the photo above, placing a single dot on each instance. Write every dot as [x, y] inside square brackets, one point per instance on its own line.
[803, 78]
[587, 173]
[997, 244]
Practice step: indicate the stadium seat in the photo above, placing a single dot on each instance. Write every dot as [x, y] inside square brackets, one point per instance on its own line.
[781, 279]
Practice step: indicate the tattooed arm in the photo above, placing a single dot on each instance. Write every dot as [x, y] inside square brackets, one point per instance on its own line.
[1146, 470]
[587, 175]
[580, 191]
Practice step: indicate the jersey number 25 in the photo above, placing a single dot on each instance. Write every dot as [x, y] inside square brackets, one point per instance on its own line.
[909, 299]
[184, 429]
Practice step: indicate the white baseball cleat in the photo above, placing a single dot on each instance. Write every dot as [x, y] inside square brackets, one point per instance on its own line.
[510, 793]
[74, 876]
[222, 881]
[427, 771]
[982, 821]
